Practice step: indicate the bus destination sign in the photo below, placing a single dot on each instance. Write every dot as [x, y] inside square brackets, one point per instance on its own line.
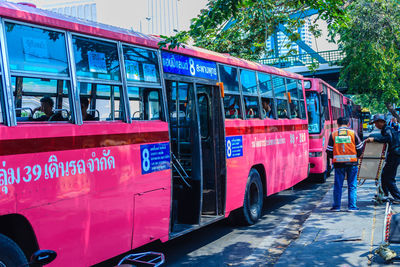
[189, 66]
[234, 147]
[155, 157]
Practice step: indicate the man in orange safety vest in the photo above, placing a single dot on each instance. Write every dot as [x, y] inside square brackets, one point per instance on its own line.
[344, 147]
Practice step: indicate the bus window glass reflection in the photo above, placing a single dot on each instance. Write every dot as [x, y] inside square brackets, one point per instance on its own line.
[232, 106]
[251, 106]
[36, 50]
[314, 114]
[229, 77]
[265, 83]
[248, 81]
[141, 65]
[96, 59]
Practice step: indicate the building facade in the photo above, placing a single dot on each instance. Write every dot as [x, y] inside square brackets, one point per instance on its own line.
[284, 44]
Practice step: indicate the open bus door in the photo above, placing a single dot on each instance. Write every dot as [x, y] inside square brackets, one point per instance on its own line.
[198, 154]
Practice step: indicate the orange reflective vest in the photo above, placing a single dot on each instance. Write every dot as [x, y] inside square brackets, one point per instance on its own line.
[344, 146]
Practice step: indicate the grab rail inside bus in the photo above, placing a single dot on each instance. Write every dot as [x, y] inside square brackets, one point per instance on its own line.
[182, 173]
[61, 110]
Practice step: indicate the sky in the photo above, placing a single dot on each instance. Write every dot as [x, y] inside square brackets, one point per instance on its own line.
[132, 14]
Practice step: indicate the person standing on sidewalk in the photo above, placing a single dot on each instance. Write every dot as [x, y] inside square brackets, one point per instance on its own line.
[344, 147]
[391, 137]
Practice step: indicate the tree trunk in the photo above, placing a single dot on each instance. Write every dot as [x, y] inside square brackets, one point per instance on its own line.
[392, 111]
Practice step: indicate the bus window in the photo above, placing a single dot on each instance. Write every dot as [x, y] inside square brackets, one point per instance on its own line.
[301, 100]
[145, 104]
[251, 106]
[36, 50]
[294, 109]
[141, 65]
[248, 81]
[292, 88]
[41, 99]
[232, 106]
[264, 81]
[267, 96]
[280, 95]
[96, 59]
[302, 110]
[229, 77]
[204, 115]
[281, 106]
[314, 114]
[104, 101]
[268, 109]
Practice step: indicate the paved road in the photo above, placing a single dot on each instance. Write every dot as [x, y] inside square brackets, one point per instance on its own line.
[222, 244]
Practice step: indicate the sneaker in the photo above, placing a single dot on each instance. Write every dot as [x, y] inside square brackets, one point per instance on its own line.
[354, 209]
[334, 209]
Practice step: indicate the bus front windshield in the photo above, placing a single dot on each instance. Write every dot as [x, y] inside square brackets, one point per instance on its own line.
[314, 113]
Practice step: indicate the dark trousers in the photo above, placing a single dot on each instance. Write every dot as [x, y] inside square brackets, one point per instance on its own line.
[389, 176]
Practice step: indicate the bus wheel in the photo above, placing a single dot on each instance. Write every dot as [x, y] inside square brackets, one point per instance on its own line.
[253, 199]
[10, 253]
[321, 177]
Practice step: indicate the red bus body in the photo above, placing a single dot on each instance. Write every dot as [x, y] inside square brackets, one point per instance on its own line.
[80, 189]
[337, 105]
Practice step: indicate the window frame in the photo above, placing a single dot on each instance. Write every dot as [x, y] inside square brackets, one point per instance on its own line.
[159, 86]
[7, 73]
[244, 94]
[239, 93]
[121, 84]
[275, 112]
[281, 98]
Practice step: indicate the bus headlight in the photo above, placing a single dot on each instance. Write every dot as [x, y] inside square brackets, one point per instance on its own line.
[315, 154]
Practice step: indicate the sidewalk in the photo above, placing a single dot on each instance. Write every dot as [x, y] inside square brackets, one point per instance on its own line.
[340, 238]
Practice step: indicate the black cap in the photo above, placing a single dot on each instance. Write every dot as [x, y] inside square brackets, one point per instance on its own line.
[377, 117]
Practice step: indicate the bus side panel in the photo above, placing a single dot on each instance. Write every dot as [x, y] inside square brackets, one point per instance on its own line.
[283, 153]
[80, 201]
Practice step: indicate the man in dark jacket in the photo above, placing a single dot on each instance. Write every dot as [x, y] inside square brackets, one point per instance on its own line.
[344, 147]
[388, 135]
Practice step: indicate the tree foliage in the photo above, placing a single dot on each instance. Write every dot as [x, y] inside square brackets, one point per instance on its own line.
[242, 27]
[371, 44]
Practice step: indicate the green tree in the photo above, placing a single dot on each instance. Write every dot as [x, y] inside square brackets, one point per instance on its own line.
[242, 27]
[371, 43]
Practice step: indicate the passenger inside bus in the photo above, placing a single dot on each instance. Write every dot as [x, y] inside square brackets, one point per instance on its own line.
[84, 108]
[267, 110]
[46, 106]
[233, 109]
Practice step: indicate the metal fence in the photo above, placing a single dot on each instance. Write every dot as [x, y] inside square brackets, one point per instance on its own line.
[333, 57]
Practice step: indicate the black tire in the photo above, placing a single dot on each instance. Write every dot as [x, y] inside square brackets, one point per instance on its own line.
[11, 254]
[250, 213]
[321, 177]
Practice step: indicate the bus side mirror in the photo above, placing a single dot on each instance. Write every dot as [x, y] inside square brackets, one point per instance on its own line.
[324, 100]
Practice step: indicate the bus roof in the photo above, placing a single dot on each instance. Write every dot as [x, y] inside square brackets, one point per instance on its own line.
[313, 88]
[51, 19]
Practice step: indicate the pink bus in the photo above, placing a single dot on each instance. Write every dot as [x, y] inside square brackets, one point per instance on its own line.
[325, 105]
[353, 112]
[108, 143]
